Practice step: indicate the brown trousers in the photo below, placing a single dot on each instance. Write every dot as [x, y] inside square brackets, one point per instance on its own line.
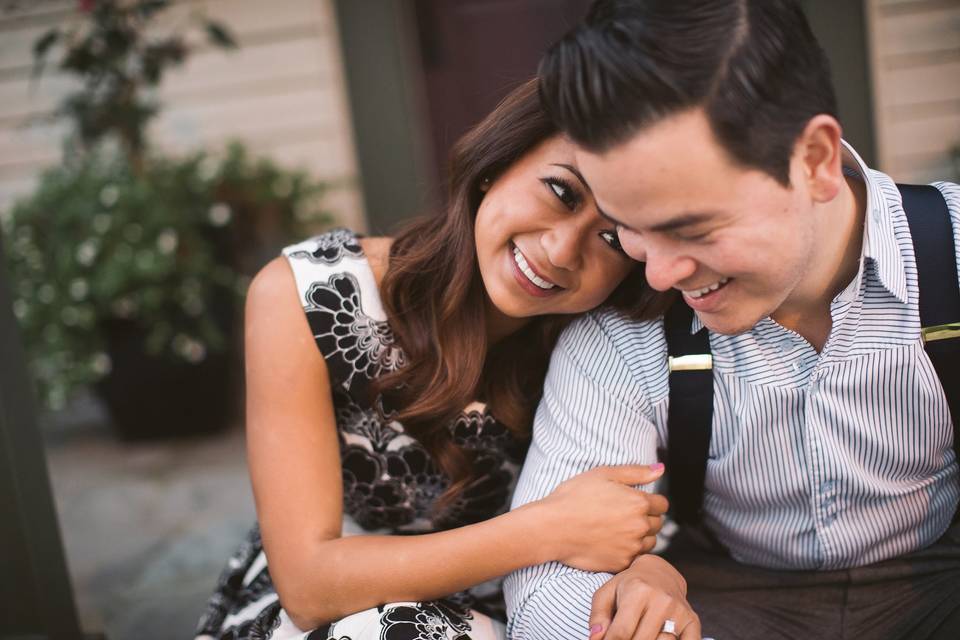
[913, 597]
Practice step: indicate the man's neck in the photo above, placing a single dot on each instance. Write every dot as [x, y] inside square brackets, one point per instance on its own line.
[836, 263]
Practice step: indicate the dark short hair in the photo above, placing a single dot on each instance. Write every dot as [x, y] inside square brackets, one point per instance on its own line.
[754, 66]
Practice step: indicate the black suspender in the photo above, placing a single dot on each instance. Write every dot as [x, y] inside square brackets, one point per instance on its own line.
[936, 256]
[690, 414]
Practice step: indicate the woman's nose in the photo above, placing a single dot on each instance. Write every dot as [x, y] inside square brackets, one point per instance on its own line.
[563, 245]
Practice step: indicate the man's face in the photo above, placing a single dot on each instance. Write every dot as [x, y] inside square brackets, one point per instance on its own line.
[735, 242]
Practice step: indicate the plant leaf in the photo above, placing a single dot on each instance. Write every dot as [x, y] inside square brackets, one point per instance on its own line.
[41, 46]
[150, 7]
[220, 35]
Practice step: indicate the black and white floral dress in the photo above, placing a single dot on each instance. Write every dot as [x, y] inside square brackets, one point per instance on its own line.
[390, 483]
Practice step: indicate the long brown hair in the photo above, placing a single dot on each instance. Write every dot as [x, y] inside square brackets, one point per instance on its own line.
[435, 303]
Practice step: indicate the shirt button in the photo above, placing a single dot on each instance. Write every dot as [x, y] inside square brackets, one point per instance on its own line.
[795, 366]
[827, 486]
[876, 215]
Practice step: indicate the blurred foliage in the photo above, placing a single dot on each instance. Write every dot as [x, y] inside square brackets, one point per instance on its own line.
[119, 233]
[120, 56]
[98, 242]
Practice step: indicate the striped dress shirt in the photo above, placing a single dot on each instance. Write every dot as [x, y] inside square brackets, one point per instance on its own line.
[820, 460]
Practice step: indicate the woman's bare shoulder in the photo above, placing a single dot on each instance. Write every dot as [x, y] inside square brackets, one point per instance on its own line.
[377, 251]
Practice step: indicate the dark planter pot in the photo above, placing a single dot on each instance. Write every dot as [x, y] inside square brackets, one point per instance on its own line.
[151, 397]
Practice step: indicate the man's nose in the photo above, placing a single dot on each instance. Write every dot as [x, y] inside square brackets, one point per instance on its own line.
[665, 269]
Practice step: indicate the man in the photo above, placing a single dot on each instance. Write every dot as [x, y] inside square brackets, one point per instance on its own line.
[709, 136]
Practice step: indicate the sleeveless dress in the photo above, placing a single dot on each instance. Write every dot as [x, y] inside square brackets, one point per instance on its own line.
[390, 482]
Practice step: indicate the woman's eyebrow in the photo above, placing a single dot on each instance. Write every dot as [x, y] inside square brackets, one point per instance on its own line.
[572, 169]
[603, 214]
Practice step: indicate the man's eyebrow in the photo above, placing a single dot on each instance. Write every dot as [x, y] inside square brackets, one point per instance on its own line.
[685, 220]
[606, 216]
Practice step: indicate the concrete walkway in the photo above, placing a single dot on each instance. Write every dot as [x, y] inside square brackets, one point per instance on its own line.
[147, 527]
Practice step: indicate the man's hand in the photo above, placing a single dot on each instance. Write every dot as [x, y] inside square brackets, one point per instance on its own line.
[634, 604]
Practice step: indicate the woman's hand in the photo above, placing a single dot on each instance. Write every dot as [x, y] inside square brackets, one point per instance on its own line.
[597, 521]
[634, 604]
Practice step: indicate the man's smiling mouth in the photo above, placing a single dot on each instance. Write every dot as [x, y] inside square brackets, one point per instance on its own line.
[699, 293]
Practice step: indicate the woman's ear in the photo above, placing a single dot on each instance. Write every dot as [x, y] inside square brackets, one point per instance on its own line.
[820, 152]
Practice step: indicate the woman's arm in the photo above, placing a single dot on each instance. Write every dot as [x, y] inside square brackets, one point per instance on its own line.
[595, 520]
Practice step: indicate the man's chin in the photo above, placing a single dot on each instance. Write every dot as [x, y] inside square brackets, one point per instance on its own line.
[728, 326]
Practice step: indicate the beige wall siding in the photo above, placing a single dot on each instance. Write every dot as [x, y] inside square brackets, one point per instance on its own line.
[282, 92]
[916, 76]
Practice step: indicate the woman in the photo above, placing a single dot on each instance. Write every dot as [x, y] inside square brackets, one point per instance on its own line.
[373, 377]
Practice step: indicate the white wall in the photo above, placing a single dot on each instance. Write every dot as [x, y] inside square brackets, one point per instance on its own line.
[916, 75]
[282, 93]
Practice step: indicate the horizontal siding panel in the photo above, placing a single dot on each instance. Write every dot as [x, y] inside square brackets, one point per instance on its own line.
[939, 109]
[921, 31]
[902, 7]
[282, 94]
[926, 135]
[309, 115]
[247, 21]
[329, 156]
[308, 108]
[935, 83]
[922, 168]
[255, 64]
[35, 147]
[16, 14]
[344, 202]
[247, 69]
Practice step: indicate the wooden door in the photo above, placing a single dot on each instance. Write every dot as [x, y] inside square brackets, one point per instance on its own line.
[473, 52]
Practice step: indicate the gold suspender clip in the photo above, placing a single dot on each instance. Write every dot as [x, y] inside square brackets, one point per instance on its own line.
[696, 362]
[941, 332]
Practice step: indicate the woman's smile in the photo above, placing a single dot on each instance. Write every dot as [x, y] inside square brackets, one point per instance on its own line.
[527, 276]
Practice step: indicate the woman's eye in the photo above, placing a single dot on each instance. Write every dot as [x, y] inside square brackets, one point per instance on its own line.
[611, 238]
[564, 192]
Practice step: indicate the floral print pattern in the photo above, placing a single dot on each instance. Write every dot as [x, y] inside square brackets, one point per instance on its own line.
[390, 482]
[352, 342]
[332, 247]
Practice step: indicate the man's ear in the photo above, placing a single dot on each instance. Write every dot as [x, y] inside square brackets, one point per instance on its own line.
[819, 153]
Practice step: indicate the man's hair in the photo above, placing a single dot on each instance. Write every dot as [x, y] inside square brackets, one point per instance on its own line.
[754, 66]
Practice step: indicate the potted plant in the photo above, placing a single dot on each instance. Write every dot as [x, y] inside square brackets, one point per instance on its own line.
[128, 266]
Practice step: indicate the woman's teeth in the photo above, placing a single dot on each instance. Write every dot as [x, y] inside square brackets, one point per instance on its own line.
[527, 271]
[697, 293]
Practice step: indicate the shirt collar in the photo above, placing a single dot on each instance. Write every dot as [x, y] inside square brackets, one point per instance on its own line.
[879, 242]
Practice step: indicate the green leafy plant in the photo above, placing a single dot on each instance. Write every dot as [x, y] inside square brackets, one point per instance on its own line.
[98, 243]
[120, 57]
[119, 235]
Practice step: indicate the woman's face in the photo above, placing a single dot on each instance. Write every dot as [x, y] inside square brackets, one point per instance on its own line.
[542, 246]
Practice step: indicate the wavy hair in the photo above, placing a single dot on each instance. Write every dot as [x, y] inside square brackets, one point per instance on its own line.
[436, 304]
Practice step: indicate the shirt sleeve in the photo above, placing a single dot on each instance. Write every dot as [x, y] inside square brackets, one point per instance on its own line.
[592, 414]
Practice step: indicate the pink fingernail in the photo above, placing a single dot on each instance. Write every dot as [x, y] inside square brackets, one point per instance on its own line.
[597, 628]
[656, 467]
